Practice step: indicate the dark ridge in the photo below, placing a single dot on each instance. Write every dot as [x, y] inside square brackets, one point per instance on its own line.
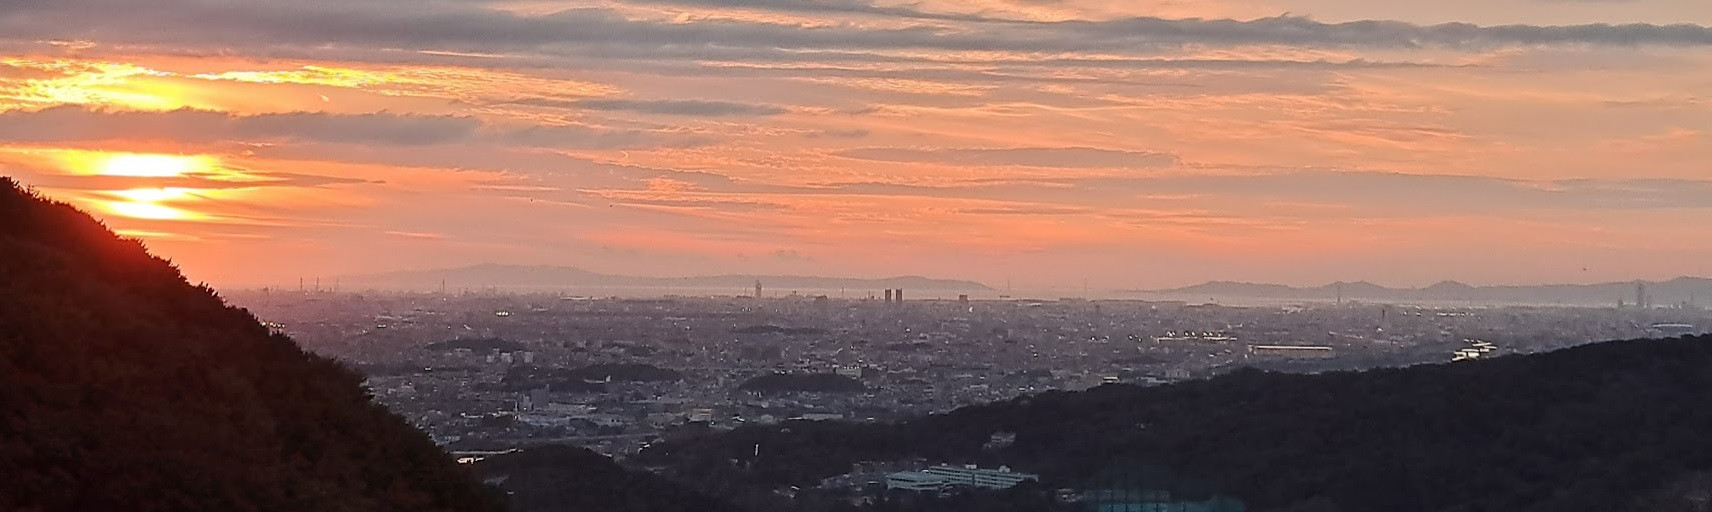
[124, 387]
[564, 478]
[1611, 426]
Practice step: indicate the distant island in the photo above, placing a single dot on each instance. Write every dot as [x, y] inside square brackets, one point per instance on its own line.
[528, 277]
[1679, 291]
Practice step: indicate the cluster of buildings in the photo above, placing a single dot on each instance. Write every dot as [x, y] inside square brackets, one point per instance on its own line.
[942, 478]
[687, 358]
[1120, 497]
[1474, 350]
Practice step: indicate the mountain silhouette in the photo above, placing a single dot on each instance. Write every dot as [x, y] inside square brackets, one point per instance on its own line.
[124, 387]
[1691, 291]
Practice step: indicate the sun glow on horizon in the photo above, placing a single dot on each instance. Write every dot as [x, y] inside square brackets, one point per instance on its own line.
[139, 165]
[153, 195]
[143, 210]
[151, 203]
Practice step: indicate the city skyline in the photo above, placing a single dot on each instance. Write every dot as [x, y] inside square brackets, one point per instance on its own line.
[1143, 146]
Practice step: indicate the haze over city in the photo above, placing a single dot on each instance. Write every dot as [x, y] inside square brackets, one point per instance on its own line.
[1141, 144]
[855, 255]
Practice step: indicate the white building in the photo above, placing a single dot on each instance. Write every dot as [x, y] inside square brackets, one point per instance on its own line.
[917, 481]
[945, 476]
[1292, 351]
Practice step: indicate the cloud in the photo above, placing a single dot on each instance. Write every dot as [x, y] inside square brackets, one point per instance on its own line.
[818, 7]
[1222, 64]
[1387, 193]
[790, 255]
[1319, 193]
[1303, 31]
[853, 133]
[76, 123]
[699, 108]
[195, 181]
[69, 123]
[417, 235]
[471, 27]
[1024, 210]
[584, 137]
[11, 71]
[1021, 157]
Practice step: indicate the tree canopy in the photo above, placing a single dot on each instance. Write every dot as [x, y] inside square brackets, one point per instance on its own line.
[124, 387]
[1590, 428]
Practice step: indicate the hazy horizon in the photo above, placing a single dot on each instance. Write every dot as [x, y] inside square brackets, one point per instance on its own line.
[1141, 145]
[470, 278]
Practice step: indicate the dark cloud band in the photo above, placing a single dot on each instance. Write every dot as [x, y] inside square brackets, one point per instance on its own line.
[470, 27]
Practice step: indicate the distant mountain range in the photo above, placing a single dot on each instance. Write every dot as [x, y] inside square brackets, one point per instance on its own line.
[522, 277]
[1673, 292]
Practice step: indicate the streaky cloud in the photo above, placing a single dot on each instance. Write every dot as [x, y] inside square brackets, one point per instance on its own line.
[672, 107]
[472, 28]
[72, 123]
[67, 123]
[1075, 157]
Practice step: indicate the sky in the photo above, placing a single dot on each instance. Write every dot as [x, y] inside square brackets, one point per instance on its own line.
[1133, 144]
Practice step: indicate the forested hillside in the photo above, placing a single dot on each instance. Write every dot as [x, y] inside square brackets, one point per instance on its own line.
[571, 479]
[1601, 427]
[123, 387]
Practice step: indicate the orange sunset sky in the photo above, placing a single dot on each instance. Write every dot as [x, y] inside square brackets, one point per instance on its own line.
[1136, 144]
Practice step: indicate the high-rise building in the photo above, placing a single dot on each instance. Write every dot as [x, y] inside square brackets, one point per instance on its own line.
[757, 289]
[899, 294]
[1641, 299]
[888, 295]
